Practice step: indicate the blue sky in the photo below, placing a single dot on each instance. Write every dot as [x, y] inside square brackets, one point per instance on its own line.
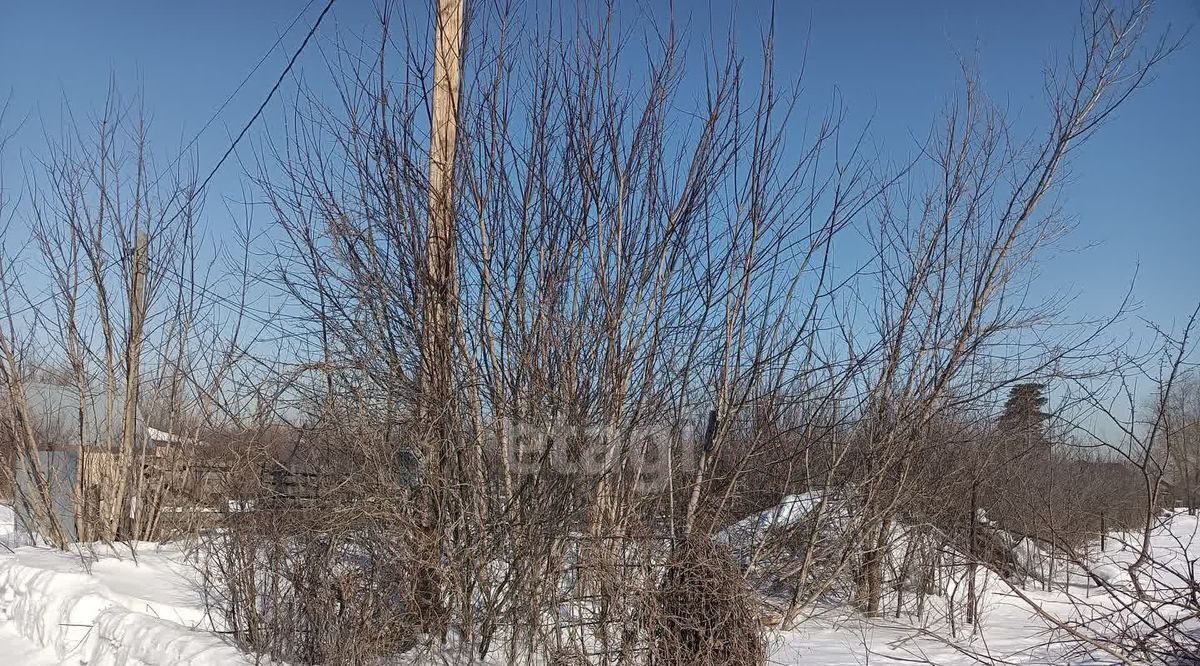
[1135, 191]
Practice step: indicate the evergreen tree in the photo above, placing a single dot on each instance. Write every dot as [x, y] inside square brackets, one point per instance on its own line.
[1023, 421]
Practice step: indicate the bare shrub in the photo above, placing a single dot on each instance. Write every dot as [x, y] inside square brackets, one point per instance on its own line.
[706, 615]
[297, 588]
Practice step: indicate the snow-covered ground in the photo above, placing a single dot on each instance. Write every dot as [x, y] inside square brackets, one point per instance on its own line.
[102, 607]
[1021, 625]
[1012, 633]
[99, 606]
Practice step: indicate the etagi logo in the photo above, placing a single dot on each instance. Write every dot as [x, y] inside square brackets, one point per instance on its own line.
[646, 454]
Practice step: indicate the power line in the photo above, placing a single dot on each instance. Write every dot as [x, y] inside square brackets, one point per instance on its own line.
[278, 82]
[245, 80]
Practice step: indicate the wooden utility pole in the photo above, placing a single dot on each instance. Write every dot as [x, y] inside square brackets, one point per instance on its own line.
[440, 302]
[123, 506]
[137, 322]
[441, 284]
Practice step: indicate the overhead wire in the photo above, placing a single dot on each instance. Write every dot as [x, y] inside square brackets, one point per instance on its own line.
[261, 107]
[246, 79]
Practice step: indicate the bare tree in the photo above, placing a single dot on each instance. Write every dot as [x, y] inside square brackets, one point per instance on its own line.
[114, 318]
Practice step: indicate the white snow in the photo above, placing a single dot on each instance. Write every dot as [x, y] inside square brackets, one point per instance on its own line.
[17, 650]
[102, 607]
[1013, 629]
[791, 510]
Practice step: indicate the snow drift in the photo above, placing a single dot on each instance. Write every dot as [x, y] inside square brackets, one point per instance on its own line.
[107, 608]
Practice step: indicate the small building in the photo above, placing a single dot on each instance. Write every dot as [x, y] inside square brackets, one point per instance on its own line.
[79, 453]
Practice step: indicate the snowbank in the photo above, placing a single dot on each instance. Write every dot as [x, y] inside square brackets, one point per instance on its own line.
[108, 608]
[791, 510]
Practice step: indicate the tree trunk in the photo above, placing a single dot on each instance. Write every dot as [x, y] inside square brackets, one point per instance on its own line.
[870, 583]
[971, 553]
